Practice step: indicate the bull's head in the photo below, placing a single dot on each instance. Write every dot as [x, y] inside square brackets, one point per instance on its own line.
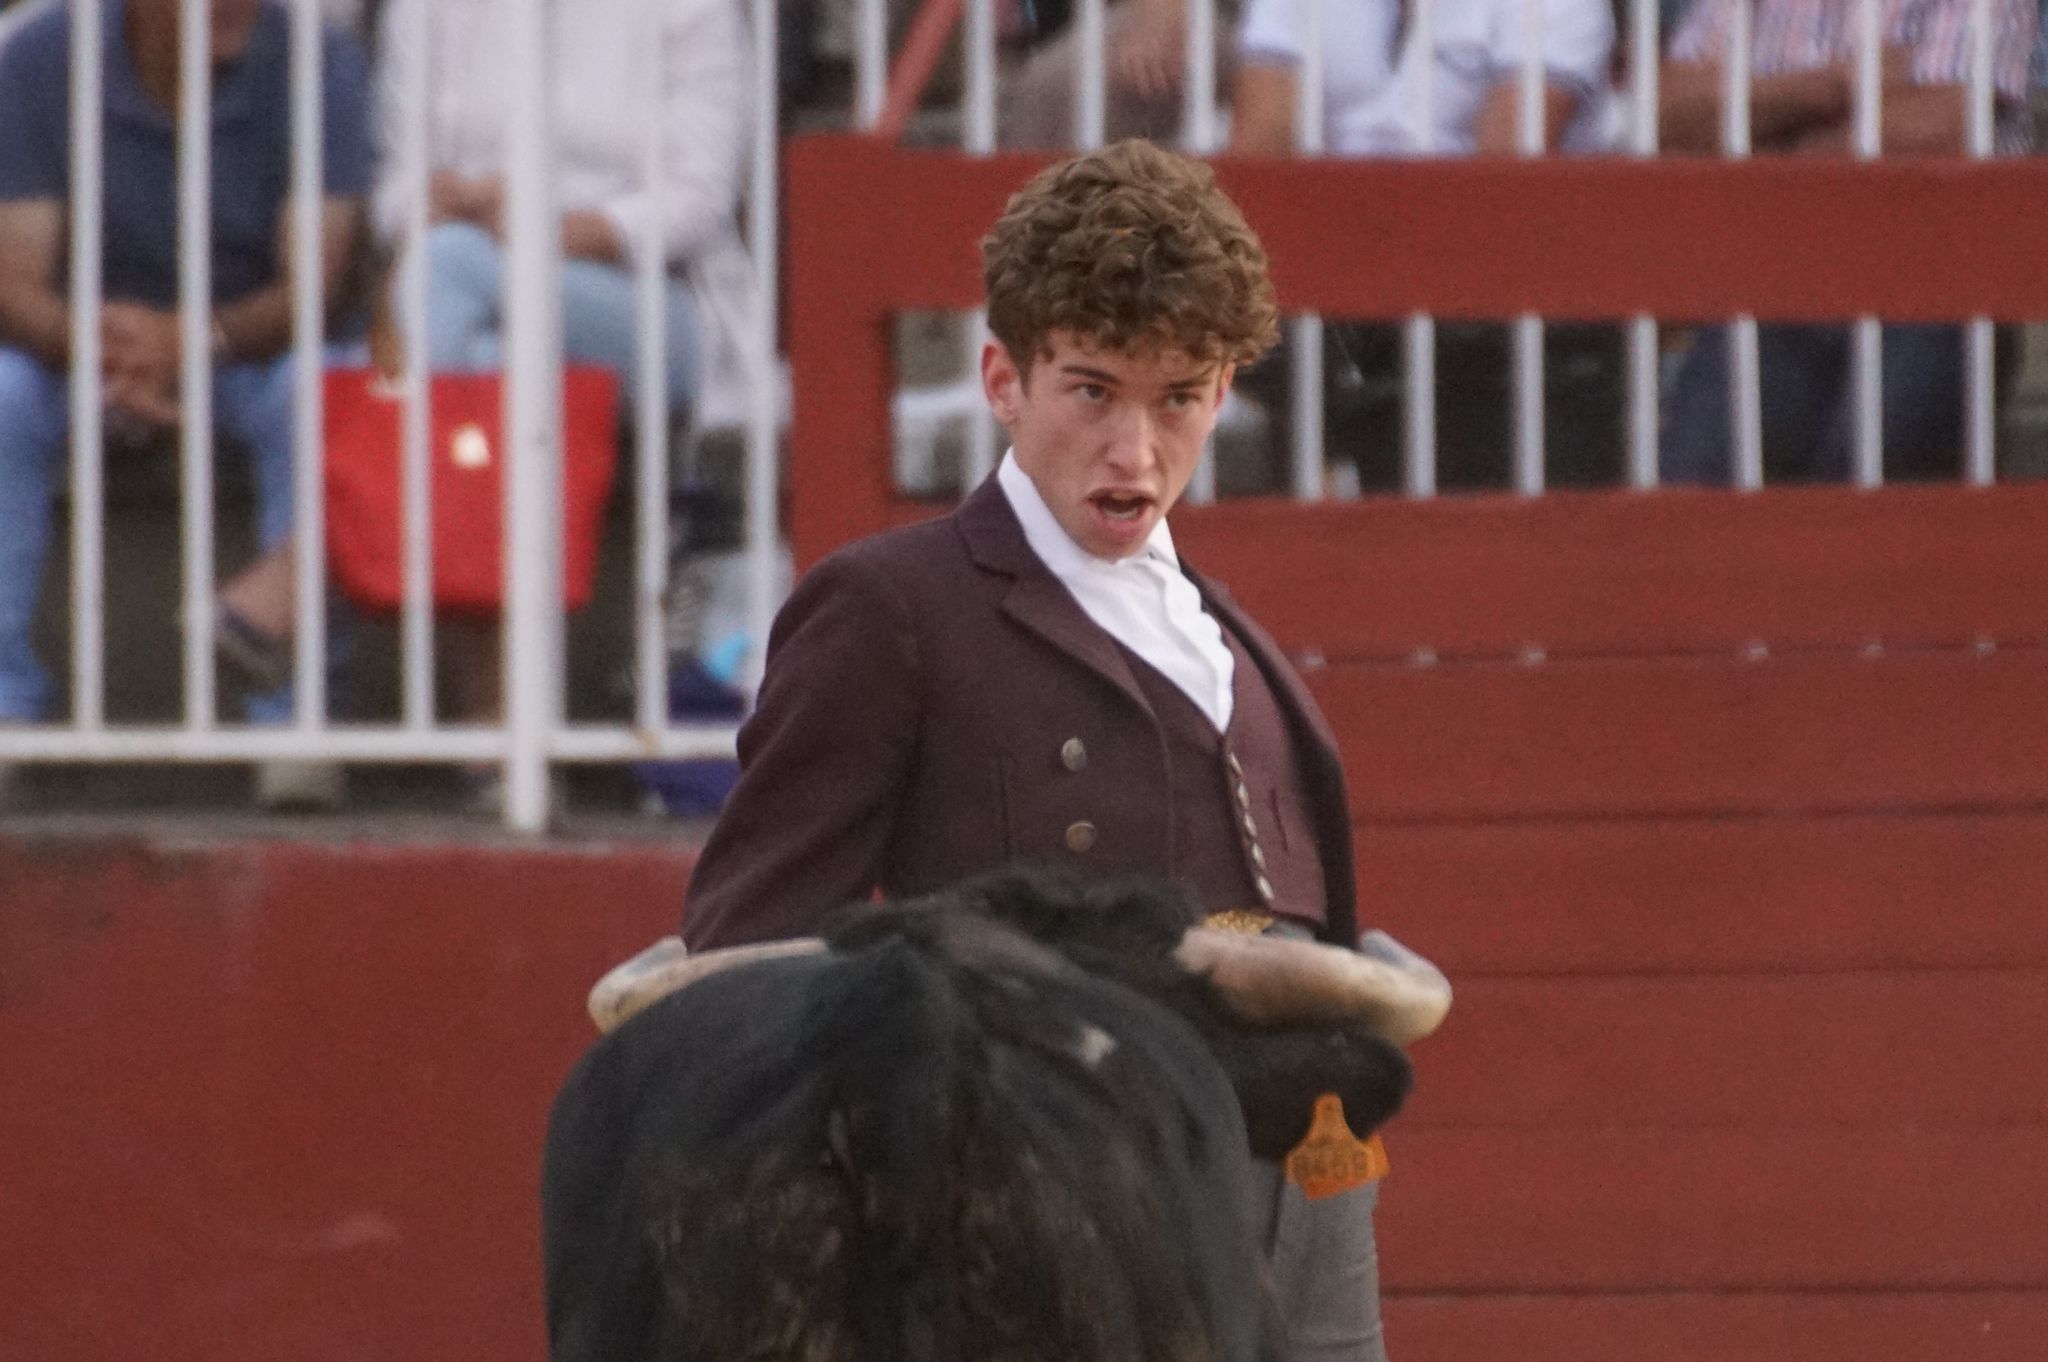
[1288, 1019]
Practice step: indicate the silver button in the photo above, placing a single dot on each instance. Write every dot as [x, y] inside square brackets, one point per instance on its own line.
[1244, 796]
[1080, 836]
[1258, 856]
[1236, 766]
[1251, 829]
[1073, 754]
[1265, 887]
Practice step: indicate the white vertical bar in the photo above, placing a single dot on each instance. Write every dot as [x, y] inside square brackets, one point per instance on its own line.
[1089, 83]
[1418, 402]
[1305, 334]
[1745, 378]
[309, 521]
[1198, 89]
[195, 324]
[1980, 419]
[978, 127]
[650, 420]
[533, 482]
[416, 620]
[1528, 398]
[982, 434]
[1982, 119]
[1746, 397]
[1201, 488]
[1980, 415]
[1418, 341]
[1307, 396]
[762, 530]
[979, 139]
[1308, 108]
[88, 443]
[1867, 355]
[1735, 82]
[1644, 55]
[1531, 140]
[871, 62]
[1529, 130]
[1643, 376]
[1869, 93]
[1866, 382]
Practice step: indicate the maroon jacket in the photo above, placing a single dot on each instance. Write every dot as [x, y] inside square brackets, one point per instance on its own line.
[923, 690]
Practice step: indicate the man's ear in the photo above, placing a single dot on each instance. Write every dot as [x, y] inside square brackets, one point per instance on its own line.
[1223, 382]
[1002, 382]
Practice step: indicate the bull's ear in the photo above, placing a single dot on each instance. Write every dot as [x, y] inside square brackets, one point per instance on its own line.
[1272, 981]
[667, 965]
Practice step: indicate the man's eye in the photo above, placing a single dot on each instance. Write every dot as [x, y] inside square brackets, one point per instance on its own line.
[1092, 392]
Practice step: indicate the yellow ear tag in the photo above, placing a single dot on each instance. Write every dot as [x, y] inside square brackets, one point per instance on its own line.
[1330, 1159]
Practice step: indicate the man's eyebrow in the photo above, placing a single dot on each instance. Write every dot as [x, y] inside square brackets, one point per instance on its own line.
[1103, 376]
[1085, 371]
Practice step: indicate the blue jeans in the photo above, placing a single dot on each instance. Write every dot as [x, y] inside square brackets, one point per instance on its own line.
[600, 325]
[252, 403]
[1808, 405]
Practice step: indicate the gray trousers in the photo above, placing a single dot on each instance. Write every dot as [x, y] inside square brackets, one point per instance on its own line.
[1326, 1269]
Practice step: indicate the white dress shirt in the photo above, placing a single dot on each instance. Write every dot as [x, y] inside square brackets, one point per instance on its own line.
[1144, 601]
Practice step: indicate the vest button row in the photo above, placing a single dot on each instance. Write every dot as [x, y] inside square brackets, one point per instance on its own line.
[1080, 836]
[1073, 754]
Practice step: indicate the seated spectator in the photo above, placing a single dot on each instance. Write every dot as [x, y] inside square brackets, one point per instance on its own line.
[250, 252]
[1144, 70]
[1373, 61]
[616, 63]
[1802, 102]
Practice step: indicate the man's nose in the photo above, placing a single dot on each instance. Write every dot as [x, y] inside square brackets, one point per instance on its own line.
[1130, 439]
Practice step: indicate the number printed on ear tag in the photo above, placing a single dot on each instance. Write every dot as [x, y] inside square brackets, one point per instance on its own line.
[1330, 1160]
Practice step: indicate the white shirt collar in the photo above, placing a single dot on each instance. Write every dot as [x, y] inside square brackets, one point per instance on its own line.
[1050, 540]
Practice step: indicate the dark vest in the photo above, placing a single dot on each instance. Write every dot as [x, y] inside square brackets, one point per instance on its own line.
[1241, 832]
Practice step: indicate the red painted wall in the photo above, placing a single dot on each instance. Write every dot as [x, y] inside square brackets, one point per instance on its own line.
[267, 1101]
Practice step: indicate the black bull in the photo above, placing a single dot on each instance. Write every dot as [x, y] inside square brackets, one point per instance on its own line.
[1001, 1124]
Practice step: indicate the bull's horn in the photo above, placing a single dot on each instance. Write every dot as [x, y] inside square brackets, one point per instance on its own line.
[1271, 980]
[667, 965]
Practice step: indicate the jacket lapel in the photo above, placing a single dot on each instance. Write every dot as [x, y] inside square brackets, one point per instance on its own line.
[1036, 599]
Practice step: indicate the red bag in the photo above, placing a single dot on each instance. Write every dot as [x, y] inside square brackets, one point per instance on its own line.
[365, 523]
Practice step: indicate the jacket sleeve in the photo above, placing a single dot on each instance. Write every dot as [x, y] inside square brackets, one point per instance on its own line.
[824, 763]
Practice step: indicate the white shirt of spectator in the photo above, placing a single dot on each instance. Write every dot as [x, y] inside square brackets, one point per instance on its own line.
[1144, 602]
[620, 66]
[1371, 105]
[1799, 35]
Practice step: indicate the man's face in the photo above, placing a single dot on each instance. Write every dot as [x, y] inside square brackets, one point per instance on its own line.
[1110, 438]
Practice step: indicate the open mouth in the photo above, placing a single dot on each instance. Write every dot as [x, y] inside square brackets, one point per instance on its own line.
[1121, 506]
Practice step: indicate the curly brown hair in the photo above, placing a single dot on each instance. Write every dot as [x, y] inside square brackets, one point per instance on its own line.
[1128, 247]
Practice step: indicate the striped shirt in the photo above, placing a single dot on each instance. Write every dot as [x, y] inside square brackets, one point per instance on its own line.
[1799, 35]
